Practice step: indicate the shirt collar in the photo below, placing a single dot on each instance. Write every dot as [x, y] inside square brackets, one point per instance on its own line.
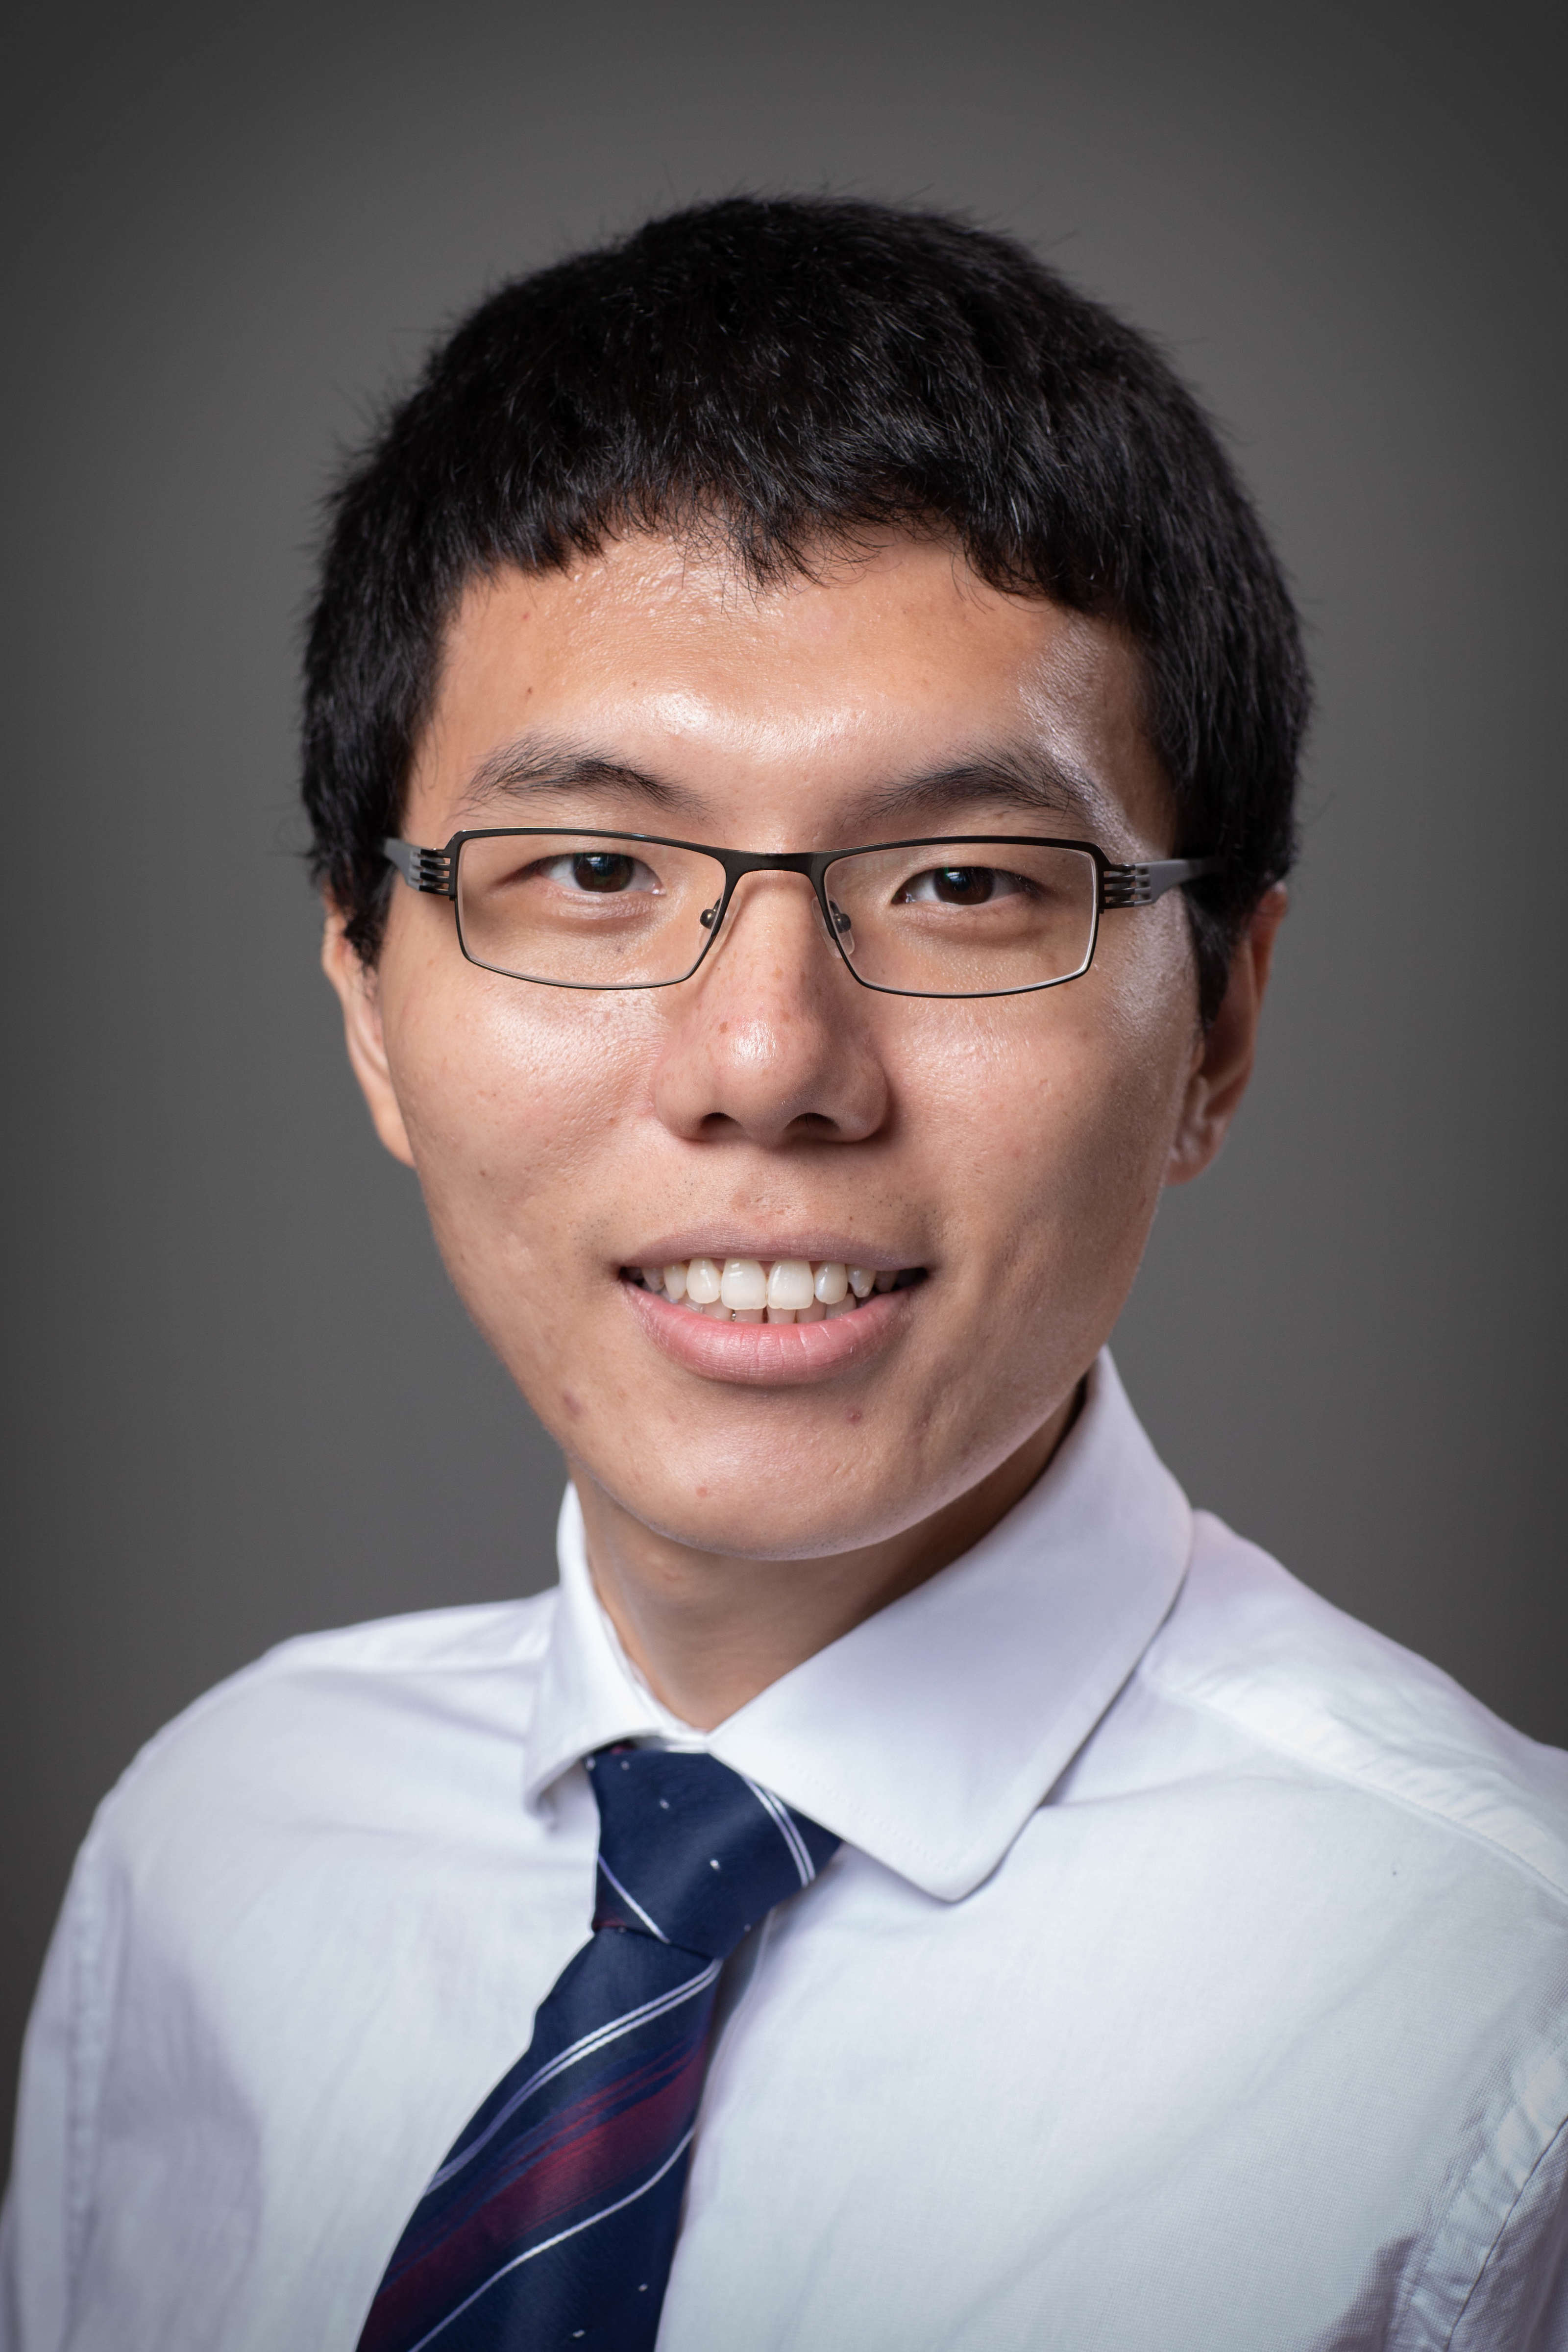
[928, 1734]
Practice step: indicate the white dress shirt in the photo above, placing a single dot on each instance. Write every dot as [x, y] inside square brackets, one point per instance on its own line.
[1192, 1976]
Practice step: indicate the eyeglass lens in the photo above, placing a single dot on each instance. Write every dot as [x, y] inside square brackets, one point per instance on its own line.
[941, 918]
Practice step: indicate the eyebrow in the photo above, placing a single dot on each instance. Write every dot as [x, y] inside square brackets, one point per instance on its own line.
[1025, 779]
[541, 764]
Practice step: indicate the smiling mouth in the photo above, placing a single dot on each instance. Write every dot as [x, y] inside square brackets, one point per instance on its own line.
[769, 1290]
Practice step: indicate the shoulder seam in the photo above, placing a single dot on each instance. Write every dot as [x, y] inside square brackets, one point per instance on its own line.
[1502, 2229]
[1351, 1778]
[88, 2047]
[1499, 2233]
[218, 1693]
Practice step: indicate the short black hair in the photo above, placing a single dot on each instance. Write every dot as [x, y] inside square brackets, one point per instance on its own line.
[790, 371]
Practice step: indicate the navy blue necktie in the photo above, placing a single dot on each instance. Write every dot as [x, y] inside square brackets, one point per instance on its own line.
[553, 2219]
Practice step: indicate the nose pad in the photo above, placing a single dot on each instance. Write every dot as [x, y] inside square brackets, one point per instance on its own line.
[841, 928]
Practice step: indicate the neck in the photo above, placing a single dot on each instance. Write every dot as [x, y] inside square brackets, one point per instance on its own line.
[708, 1632]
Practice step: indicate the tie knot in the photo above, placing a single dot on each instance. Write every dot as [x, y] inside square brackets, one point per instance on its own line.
[692, 1852]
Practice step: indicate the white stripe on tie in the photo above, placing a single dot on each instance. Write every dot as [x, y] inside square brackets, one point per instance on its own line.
[561, 2236]
[599, 2039]
[780, 1816]
[632, 1904]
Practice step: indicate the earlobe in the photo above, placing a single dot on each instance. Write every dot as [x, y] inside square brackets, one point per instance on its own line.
[358, 995]
[1222, 1061]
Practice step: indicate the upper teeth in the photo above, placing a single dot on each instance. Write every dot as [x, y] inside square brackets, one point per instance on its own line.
[785, 1291]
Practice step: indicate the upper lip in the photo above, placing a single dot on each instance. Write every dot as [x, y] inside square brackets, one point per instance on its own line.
[817, 1249]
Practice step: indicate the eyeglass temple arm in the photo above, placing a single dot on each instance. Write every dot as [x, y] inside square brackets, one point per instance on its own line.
[1140, 886]
[422, 869]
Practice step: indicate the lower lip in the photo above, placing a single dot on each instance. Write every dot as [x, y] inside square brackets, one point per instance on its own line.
[771, 1355]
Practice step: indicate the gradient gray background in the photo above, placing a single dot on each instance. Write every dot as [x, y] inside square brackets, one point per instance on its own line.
[244, 1402]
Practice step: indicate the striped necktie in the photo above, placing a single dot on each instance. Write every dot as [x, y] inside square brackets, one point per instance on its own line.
[553, 2218]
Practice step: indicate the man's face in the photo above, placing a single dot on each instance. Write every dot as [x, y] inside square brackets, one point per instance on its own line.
[1011, 1148]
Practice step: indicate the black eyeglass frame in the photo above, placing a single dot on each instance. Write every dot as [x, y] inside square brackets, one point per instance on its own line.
[435, 872]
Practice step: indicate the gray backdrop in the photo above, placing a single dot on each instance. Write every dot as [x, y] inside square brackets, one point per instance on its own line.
[244, 1401]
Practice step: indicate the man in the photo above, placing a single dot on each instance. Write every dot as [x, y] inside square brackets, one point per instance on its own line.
[914, 1884]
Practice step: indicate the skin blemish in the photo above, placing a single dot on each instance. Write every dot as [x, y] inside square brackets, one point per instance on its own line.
[572, 1403]
[853, 1414]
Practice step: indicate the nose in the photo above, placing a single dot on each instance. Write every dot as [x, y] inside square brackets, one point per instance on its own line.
[767, 1040]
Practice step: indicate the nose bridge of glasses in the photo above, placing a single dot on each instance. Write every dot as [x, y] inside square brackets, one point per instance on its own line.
[748, 874]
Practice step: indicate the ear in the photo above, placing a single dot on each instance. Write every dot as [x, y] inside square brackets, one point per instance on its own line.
[1222, 1062]
[359, 996]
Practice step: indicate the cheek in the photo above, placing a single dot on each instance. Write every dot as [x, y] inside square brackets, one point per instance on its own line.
[512, 1097]
[1060, 1117]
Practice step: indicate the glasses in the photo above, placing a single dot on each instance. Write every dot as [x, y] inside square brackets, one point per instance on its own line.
[965, 915]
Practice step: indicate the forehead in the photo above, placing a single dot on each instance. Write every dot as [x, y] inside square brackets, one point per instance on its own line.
[884, 663]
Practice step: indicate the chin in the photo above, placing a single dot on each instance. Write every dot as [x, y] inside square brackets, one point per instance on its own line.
[742, 1516]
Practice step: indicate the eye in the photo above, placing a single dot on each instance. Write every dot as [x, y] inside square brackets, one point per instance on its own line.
[961, 886]
[604, 872]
